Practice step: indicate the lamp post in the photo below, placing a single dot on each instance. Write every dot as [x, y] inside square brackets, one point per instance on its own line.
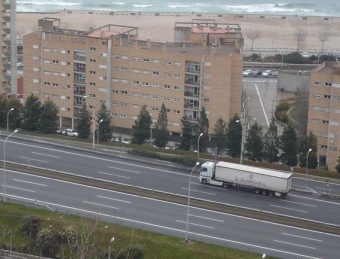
[198, 145]
[5, 163]
[8, 116]
[98, 132]
[111, 240]
[242, 136]
[307, 164]
[188, 208]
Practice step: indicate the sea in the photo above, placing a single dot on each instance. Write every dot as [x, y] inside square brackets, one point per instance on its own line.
[270, 7]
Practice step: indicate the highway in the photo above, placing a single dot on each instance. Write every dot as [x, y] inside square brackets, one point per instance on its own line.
[166, 177]
[166, 217]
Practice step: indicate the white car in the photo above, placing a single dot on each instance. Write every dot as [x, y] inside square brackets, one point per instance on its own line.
[248, 72]
[305, 55]
[267, 73]
[70, 132]
[122, 140]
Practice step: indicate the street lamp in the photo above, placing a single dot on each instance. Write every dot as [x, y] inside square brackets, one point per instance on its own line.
[112, 239]
[8, 115]
[188, 208]
[98, 132]
[5, 163]
[242, 136]
[307, 164]
[198, 145]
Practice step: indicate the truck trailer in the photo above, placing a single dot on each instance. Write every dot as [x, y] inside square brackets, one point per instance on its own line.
[262, 180]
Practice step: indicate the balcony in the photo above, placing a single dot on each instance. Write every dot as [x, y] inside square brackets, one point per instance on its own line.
[79, 92]
[191, 81]
[80, 57]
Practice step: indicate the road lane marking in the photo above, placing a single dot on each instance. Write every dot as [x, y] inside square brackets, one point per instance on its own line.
[294, 244]
[314, 206]
[41, 154]
[313, 239]
[40, 184]
[16, 188]
[198, 191]
[288, 208]
[313, 199]
[33, 159]
[103, 197]
[218, 220]
[126, 170]
[101, 205]
[116, 175]
[264, 112]
[198, 225]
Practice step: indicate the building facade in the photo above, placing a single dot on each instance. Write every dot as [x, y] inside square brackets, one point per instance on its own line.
[111, 65]
[324, 112]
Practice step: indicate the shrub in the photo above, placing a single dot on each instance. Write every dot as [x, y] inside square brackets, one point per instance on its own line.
[283, 106]
[133, 252]
[282, 116]
[31, 227]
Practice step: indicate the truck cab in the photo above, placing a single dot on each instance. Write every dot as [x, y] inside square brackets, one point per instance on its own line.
[207, 174]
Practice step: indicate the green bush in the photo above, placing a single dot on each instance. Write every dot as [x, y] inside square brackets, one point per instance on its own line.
[282, 116]
[283, 106]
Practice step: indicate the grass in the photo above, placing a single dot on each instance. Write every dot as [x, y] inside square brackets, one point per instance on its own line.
[154, 245]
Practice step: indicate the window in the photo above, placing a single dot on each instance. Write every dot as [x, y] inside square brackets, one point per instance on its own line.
[155, 85]
[177, 87]
[317, 96]
[136, 71]
[46, 50]
[115, 91]
[167, 75]
[325, 121]
[123, 104]
[177, 111]
[145, 83]
[92, 95]
[36, 46]
[155, 73]
[177, 64]
[124, 68]
[92, 84]
[114, 103]
[104, 55]
[155, 97]
[115, 68]
[328, 84]
[124, 116]
[92, 60]
[156, 61]
[135, 94]
[146, 60]
[114, 114]
[47, 83]
[92, 72]
[166, 98]
[123, 92]
[125, 57]
[155, 108]
[206, 100]
[55, 61]
[55, 85]
[176, 100]
[136, 106]
[92, 49]
[115, 56]
[167, 62]
[136, 59]
[144, 95]
[166, 86]
[323, 146]
[177, 75]
[135, 82]
[316, 83]
[124, 81]
[326, 96]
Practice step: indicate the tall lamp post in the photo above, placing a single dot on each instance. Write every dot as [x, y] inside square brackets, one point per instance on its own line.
[98, 132]
[111, 240]
[8, 116]
[5, 163]
[188, 208]
[198, 145]
[242, 136]
[307, 164]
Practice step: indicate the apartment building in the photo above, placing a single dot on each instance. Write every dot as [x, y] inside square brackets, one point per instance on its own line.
[324, 112]
[111, 65]
[8, 47]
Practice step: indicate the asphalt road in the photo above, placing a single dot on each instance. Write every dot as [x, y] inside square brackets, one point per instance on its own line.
[166, 217]
[156, 175]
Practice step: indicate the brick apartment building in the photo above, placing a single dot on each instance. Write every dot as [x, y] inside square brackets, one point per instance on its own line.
[111, 65]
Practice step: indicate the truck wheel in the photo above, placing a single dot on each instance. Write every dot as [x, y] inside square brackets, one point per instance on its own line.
[264, 192]
[257, 191]
[226, 185]
[204, 181]
[271, 194]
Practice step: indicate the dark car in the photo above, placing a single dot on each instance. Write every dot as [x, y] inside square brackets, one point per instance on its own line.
[257, 73]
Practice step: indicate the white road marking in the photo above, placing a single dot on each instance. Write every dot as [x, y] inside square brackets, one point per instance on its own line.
[103, 197]
[126, 170]
[45, 155]
[288, 208]
[115, 175]
[313, 239]
[180, 221]
[16, 188]
[198, 191]
[313, 199]
[314, 206]
[264, 112]
[33, 159]
[101, 205]
[40, 184]
[294, 244]
[218, 220]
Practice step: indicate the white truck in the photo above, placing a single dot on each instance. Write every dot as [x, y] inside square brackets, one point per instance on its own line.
[264, 181]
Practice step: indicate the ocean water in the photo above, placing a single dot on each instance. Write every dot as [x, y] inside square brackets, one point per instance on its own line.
[289, 7]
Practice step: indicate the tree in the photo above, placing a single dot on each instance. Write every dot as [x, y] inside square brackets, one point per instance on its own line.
[337, 167]
[323, 36]
[84, 123]
[186, 134]
[15, 116]
[3, 108]
[141, 129]
[271, 144]
[31, 113]
[288, 146]
[309, 142]
[300, 35]
[161, 128]
[253, 35]
[104, 115]
[219, 135]
[234, 136]
[48, 117]
[201, 127]
[254, 144]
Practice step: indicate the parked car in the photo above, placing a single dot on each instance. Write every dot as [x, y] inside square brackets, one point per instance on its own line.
[257, 73]
[122, 140]
[275, 73]
[70, 132]
[247, 72]
[305, 55]
[59, 131]
[267, 73]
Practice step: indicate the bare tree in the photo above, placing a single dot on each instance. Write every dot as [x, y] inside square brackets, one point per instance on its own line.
[301, 35]
[244, 107]
[253, 35]
[323, 36]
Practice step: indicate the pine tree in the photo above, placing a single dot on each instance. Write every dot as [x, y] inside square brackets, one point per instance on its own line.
[254, 143]
[219, 135]
[288, 146]
[337, 167]
[31, 113]
[84, 123]
[201, 127]
[234, 136]
[309, 142]
[15, 116]
[161, 128]
[186, 134]
[104, 118]
[48, 117]
[271, 143]
[3, 109]
[141, 129]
